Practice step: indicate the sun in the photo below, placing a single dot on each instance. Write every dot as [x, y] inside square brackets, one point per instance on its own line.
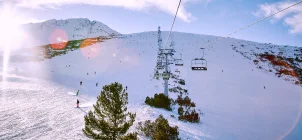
[9, 30]
[10, 35]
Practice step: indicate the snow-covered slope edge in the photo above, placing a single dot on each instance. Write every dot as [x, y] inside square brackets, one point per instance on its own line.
[283, 61]
[56, 31]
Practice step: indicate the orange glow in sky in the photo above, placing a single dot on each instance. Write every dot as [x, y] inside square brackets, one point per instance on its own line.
[90, 48]
[58, 39]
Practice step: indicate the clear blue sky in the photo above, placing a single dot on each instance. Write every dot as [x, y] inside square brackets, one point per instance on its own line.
[212, 17]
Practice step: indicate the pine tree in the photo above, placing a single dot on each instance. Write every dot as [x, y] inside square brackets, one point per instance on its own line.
[159, 129]
[109, 120]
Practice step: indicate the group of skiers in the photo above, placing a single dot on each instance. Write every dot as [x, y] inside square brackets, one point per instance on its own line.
[95, 84]
[94, 73]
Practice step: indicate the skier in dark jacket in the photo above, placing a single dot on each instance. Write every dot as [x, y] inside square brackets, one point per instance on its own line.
[81, 83]
[126, 87]
[77, 92]
[78, 102]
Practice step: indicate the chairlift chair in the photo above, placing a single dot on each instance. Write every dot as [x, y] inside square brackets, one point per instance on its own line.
[179, 63]
[160, 57]
[156, 75]
[199, 64]
[166, 75]
[160, 67]
[159, 63]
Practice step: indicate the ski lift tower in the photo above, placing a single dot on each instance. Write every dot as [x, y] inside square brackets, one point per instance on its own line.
[159, 39]
[168, 60]
[164, 59]
[167, 52]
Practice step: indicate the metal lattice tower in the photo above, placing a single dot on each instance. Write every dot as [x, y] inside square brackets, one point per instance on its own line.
[160, 41]
[163, 62]
[164, 59]
[159, 58]
[167, 53]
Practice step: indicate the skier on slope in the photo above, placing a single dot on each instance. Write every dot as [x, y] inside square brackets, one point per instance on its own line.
[77, 92]
[81, 83]
[78, 102]
[126, 87]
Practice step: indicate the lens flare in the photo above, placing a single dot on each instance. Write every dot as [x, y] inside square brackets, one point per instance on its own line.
[90, 48]
[8, 32]
[58, 39]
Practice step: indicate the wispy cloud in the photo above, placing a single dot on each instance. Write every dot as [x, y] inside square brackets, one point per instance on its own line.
[291, 17]
[168, 6]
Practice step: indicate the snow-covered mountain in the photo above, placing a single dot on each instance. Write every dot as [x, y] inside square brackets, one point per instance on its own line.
[44, 33]
[37, 102]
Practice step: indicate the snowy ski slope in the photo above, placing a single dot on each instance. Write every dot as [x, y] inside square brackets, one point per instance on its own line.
[37, 109]
[38, 96]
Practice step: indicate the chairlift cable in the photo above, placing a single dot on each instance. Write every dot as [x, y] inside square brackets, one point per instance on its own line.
[172, 24]
[254, 23]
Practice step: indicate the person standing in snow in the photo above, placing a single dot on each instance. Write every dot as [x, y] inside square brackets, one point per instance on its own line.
[81, 83]
[78, 102]
[97, 84]
[77, 92]
[126, 87]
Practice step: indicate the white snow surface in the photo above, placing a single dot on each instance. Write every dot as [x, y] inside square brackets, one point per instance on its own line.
[37, 100]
